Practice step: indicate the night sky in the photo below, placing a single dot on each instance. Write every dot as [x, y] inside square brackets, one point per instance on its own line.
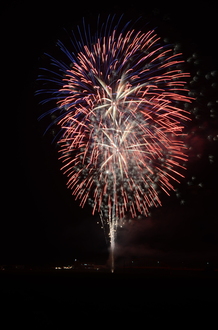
[41, 223]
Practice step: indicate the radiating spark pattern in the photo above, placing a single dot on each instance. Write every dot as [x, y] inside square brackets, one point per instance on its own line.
[122, 119]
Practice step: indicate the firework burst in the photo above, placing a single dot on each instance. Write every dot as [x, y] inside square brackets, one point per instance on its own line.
[120, 103]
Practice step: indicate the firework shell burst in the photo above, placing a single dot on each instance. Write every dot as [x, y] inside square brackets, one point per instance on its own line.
[120, 110]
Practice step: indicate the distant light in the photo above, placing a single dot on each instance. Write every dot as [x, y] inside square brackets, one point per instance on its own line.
[158, 261]
[67, 267]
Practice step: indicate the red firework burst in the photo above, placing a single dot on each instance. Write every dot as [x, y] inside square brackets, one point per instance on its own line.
[122, 117]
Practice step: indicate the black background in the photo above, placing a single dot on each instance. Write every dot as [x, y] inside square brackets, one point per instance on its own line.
[41, 223]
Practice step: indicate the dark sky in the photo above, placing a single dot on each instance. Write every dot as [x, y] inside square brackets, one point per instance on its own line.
[40, 222]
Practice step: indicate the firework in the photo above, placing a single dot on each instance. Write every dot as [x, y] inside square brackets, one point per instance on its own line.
[120, 101]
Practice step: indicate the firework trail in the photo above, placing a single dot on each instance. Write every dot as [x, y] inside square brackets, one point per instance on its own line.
[120, 102]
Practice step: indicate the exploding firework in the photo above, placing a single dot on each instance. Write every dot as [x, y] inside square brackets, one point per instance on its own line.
[120, 113]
